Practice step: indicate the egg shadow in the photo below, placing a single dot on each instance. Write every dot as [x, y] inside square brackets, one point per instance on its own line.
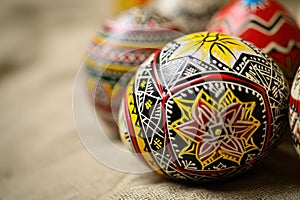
[278, 172]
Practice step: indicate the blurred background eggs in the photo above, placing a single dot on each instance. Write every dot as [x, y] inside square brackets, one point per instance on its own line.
[119, 47]
[265, 23]
[294, 111]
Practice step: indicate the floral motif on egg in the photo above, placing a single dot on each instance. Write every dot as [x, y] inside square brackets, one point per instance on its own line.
[208, 106]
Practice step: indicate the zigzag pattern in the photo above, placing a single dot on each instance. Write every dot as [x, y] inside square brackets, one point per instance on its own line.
[273, 39]
[265, 27]
[269, 27]
[119, 56]
[155, 37]
[285, 50]
[282, 49]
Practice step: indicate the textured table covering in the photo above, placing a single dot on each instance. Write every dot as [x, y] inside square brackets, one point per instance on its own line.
[41, 155]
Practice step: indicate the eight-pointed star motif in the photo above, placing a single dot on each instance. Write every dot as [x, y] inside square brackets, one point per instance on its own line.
[216, 129]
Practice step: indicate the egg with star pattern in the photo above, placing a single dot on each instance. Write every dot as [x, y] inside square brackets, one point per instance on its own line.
[206, 107]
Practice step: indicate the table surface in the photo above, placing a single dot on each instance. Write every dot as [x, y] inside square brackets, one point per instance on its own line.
[42, 157]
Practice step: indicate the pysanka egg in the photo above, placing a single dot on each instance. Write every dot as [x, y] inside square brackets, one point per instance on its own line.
[294, 111]
[119, 47]
[206, 107]
[265, 23]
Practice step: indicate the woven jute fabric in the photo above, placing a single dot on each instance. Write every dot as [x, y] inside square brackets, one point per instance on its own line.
[277, 177]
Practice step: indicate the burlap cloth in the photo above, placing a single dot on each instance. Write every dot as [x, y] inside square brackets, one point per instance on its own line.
[41, 155]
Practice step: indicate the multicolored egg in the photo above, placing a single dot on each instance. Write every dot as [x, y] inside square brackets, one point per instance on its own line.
[119, 47]
[206, 107]
[294, 111]
[266, 24]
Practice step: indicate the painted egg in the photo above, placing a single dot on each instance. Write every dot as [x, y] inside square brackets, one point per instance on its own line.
[191, 15]
[265, 23]
[119, 47]
[294, 111]
[206, 107]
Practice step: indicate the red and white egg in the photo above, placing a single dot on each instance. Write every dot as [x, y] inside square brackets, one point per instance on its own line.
[294, 111]
[266, 24]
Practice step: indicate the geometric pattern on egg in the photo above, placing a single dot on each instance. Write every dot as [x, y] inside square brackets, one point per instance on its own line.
[206, 107]
[294, 111]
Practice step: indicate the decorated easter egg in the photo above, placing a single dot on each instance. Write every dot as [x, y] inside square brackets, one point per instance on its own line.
[206, 107]
[191, 15]
[266, 24]
[119, 47]
[294, 111]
